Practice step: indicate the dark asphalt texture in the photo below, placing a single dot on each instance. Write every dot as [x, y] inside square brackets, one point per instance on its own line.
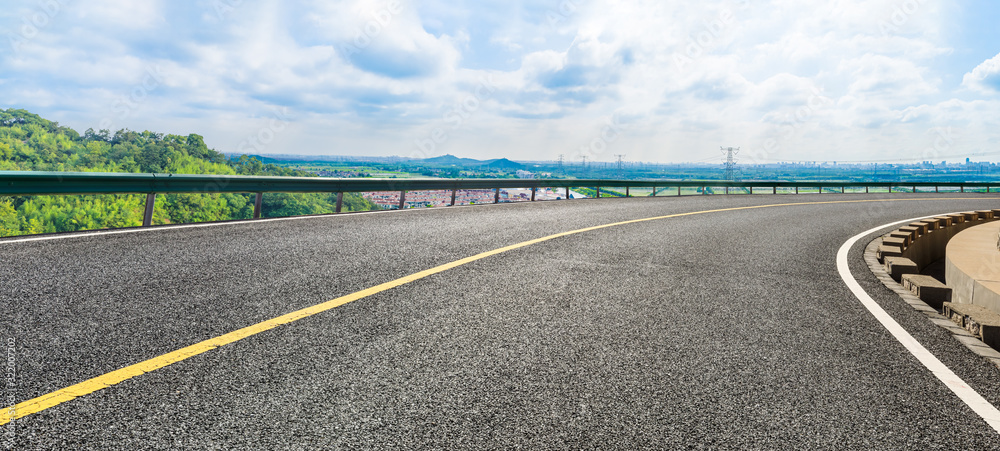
[726, 330]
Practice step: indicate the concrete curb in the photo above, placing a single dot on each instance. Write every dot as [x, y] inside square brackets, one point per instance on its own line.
[963, 336]
[972, 266]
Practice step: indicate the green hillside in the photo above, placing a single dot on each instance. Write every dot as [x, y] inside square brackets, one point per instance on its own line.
[31, 143]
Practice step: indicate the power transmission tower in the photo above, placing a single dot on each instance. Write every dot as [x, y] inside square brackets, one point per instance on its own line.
[621, 166]
[730, 162]
[583, 161]
[561, 157]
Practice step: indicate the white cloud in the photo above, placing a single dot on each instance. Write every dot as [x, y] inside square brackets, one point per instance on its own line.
[895, 81]
[123, 14]
[684, 76]
[985, 77]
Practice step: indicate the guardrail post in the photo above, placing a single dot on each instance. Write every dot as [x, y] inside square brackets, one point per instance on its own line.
[39, 183]
[258, 200]
[147, 217]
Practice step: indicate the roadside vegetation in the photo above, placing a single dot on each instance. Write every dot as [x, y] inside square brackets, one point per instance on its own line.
[31, 143]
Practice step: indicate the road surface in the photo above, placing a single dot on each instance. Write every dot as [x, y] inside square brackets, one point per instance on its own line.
[724, 329]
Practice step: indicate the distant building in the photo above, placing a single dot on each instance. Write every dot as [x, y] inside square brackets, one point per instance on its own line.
[522, 174]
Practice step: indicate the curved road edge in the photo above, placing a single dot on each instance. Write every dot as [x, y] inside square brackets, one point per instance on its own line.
[967, 394]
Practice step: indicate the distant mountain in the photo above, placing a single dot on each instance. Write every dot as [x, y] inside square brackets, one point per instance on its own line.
[503, 163]
[451, 159]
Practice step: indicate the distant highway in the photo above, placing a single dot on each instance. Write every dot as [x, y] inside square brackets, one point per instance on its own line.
[725, 329]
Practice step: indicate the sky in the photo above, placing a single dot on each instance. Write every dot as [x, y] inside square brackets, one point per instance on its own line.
[654, 81]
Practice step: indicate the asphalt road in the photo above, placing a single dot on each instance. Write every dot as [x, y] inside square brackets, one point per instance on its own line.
[724, 330]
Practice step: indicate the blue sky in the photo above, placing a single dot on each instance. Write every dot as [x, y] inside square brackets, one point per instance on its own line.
[840, 80]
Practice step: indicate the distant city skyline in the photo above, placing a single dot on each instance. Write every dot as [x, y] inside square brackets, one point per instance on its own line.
[629, 163]
[848, 81]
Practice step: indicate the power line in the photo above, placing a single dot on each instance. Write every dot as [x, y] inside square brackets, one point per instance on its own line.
[891, 160]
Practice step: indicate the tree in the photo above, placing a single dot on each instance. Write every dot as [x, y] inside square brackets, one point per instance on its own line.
[9, 222]
[31, 143]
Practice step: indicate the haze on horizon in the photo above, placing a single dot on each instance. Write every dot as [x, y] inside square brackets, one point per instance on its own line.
[843, 80]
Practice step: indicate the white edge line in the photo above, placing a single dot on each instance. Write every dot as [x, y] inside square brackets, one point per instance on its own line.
[167, 227]
[967, 394]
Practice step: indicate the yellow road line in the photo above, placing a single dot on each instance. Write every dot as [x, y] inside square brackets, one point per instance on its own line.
[89, 386]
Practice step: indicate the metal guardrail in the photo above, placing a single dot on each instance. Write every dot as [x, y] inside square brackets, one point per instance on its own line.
[26, 183]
